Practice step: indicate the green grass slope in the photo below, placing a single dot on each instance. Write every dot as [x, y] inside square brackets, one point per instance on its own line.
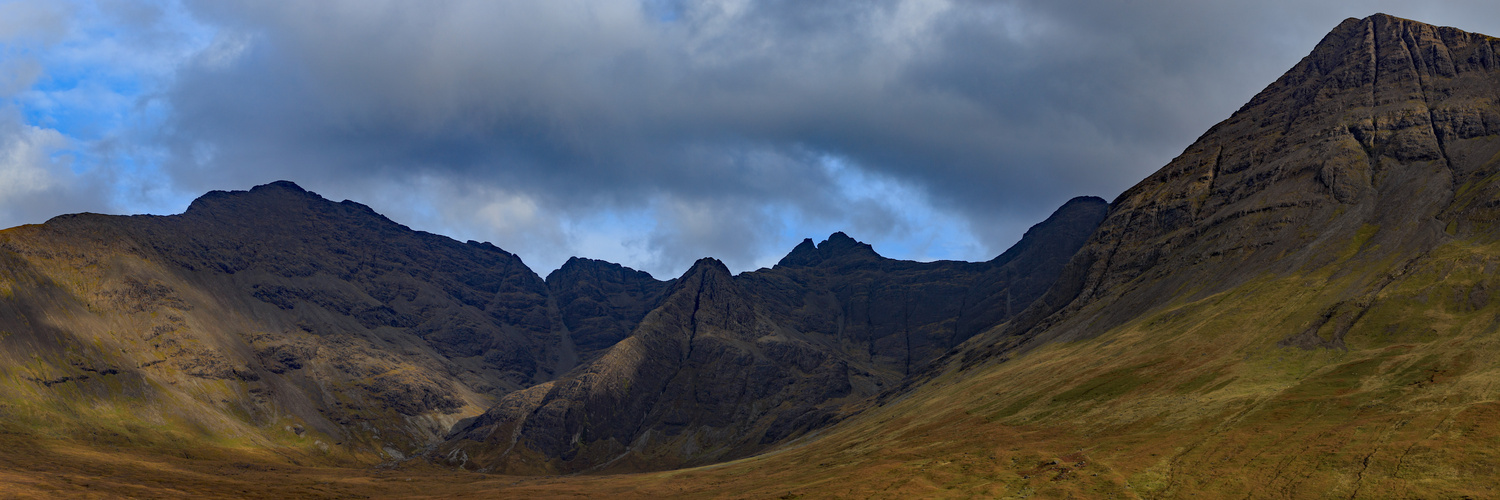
[1302, 305]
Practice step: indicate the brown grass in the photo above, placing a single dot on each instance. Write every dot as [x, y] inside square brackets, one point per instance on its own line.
[1192, 400]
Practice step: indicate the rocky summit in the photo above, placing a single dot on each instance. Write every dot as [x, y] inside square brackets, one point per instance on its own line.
[1300, 305]
[286, 319]
[1384, 135]
[724, 366]
[265, 310]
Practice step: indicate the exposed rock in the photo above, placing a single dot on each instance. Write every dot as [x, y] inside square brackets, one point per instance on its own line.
[601, 302]
[1384, 135]
[257, 306]
[691, 384]
[905, 314]
[725, 366]
[377, 323]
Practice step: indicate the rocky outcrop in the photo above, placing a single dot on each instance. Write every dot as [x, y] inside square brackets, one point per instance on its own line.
[340, 267]
[274, 307]
[1383, 136]
[271, 307]
[601, 302]
[725, 366]
[901, 314]
[704, 377]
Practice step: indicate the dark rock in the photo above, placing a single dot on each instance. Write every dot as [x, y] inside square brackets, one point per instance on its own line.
[1372, 137]
[361, 324]
[601, 302]
[723, 366]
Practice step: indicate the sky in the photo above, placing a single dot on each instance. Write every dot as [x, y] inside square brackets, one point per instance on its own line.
[645, 132]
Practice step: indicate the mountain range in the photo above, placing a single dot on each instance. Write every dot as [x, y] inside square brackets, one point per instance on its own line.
[1299, 305]
[271, 309]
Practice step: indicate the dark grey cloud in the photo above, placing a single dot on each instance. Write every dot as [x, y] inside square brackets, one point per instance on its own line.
[722, 127]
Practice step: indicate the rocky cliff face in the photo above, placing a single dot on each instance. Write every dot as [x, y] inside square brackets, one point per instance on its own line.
[905, 314]
[1299, 304]
[601, 302]
[1385, 135]
[725, 366]
[267, 310]
[270, 310]
[700, 373]
[470, 302]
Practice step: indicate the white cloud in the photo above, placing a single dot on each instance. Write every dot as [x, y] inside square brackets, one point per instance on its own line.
[27, 164]
[37, 178]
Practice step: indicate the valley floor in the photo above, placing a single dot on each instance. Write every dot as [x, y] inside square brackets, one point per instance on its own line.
[958, 464]
[1197, 398]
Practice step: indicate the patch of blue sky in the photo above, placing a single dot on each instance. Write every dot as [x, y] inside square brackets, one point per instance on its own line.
[96, 86]
[613, 235]
[899, 221]
[86, 109]
[142, 190]
[666, 11]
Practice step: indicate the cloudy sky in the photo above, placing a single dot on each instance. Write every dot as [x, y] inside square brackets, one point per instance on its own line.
[645, 132]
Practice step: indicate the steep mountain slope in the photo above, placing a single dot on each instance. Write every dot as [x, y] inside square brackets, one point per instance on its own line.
[601, 302]
[254, 312]
[1385, 134]
[729, 365]
[1299, 306]
[274, 317]
[700, 366]
[909, 313]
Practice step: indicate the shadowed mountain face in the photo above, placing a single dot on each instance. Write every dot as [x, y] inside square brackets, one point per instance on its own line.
[469, 302]
[1299, 304]
[601, 302]
[271, 309]
[1385, 135]
[908, 313]
[279, 315]
[725, 366]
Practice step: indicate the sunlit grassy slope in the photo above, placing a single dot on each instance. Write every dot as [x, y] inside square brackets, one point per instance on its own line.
[1197, 398]
[1299, 306]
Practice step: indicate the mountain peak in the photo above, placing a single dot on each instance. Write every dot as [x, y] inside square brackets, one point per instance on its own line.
[805, 254]
[281, 184]
[584, 265]
[280, 201]
[1081, 201]
[1067, 228]
[837, 246]
[1377, 127]
[277, 194]
[1391, 53]
[708, 265]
